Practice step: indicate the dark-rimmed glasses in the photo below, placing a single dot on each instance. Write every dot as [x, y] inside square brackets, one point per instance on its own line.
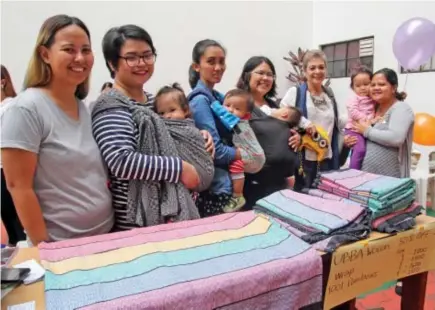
[134, 60]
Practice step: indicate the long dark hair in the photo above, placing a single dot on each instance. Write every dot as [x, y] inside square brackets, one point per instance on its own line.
[197, 52]
[391, 77]
[249, 66]
[8, 87]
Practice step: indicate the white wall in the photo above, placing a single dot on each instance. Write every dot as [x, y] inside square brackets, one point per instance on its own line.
[245, 29]
[336, 21]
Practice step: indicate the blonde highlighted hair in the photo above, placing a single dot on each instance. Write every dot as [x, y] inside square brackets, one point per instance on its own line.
[8, 87]
[38, 72]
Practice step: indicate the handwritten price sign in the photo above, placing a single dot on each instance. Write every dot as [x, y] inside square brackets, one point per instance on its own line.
[366, 265]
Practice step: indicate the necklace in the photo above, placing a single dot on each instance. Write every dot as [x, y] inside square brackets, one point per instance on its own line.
[319, 101]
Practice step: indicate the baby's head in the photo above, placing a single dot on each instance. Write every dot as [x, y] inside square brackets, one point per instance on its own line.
[360, 81]
[171, 102]
[291, 115]
[239, 102]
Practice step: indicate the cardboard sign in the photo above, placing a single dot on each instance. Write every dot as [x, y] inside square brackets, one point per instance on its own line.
[365, 265]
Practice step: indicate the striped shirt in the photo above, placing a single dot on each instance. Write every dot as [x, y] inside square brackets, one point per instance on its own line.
[117, 137]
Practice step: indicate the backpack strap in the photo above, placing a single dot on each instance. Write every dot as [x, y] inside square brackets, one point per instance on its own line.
[342, 156]
[298, 95]
[331, 96]
[301, 99]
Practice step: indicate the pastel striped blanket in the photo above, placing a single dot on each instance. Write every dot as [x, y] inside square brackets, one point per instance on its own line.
[382, 194]
[322, 194]
[317, 218]
[232, 261]
[396, 221]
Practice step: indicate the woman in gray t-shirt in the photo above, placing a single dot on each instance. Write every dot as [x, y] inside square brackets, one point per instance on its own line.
[389, 141]
[52, 164]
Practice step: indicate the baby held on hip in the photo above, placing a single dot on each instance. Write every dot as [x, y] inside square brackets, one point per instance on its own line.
[360, 108]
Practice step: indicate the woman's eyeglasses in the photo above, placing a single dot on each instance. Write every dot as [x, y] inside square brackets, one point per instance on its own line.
[268, 75]
[134, 60]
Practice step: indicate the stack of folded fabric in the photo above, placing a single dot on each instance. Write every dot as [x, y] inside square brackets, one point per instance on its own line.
[399, 220]
[333, 222]
[396, 221]
[381, 194]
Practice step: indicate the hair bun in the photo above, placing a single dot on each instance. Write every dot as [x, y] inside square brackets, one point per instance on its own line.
[401, 95]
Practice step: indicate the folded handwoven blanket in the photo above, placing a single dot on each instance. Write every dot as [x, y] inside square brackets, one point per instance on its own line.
[318, 218]
[393, 222]
[382, 194]
[150, 202]
[398, 221]
[325, 195]
[231, 261]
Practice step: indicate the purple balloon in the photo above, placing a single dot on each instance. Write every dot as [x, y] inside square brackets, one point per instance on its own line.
[414, 42]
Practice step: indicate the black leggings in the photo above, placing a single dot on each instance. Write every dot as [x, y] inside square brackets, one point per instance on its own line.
[210, 204]
[9, 215]
[257, 188]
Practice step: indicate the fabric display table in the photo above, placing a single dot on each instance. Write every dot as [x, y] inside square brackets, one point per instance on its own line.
[312, 250]
[414, 285]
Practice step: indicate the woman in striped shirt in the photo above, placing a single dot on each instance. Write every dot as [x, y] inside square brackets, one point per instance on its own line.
[130, 56]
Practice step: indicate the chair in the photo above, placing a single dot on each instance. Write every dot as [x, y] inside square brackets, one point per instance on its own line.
[422, 174]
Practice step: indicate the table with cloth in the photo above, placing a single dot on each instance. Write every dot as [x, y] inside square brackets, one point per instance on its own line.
[262, 279]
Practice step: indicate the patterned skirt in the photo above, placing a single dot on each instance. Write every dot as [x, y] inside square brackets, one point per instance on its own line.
[210, 204]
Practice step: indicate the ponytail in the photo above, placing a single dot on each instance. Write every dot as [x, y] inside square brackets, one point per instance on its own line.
[193, 77]
[401, 95]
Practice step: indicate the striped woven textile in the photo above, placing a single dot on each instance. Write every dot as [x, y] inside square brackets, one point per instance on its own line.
[232, 261]
[393, 222]
[317, 218]
[381, 194]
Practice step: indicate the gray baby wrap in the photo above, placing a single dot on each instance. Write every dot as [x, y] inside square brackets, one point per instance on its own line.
[190, 146]
[252, 153]
[150, 202]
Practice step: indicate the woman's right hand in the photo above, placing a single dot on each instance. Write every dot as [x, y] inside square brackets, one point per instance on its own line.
[189, 176]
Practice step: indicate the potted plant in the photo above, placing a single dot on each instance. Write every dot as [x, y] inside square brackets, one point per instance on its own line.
[297, 77]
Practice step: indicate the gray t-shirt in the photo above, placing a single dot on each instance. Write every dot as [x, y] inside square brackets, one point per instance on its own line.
[70, 179]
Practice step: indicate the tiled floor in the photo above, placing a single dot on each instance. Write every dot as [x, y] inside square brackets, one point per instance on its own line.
[385, 297]
[388, 300]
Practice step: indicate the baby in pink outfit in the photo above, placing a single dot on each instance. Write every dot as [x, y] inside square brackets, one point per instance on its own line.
[360, 107]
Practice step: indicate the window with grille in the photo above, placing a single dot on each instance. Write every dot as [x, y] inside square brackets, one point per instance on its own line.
[343, 57]
[427, 67]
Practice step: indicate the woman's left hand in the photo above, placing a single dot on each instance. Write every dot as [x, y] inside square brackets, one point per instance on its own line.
[361, 126]
[209, 145]
[295, 140]
[349, 141]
